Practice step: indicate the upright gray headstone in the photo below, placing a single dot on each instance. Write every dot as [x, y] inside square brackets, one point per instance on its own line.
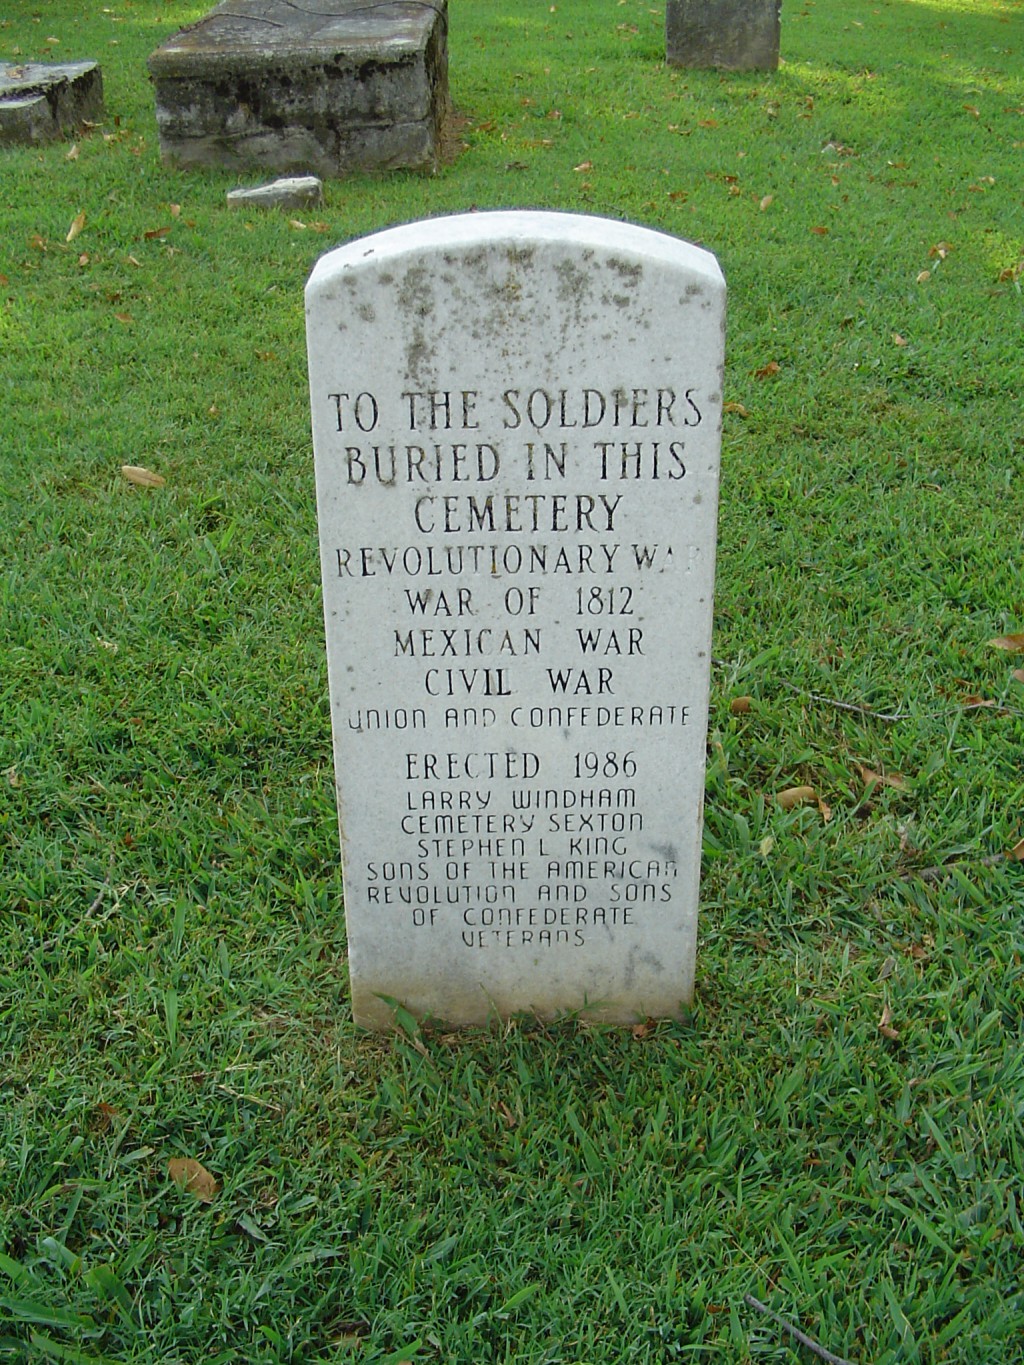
[737, 35]
[516, 422]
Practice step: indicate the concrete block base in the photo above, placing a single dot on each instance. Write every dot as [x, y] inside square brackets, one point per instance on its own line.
[44, 101]
[333, 87]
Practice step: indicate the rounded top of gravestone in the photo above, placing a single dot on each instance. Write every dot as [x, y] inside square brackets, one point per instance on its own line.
[522, 228]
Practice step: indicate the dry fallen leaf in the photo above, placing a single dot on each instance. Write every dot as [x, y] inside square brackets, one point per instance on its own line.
[644, 1030]
[795, 796]
[739, 706]
[872, 779]
[1016, 854]
[103, 1116]
[766, 202]
[584, 166]
[898, 340]
[507, 1114]
[884, 1025]
[766, 371]
[193, 1176]
[72, 153]
[940, 250]
[154, 233]
[1018, 675]
[737, 408]
[145, 478]
[1012, 643]
[824, 809]
[924, 276]
[820, 231]
[77, 224]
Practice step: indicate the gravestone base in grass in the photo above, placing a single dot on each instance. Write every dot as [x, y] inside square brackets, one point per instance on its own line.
[44, 101]
[332, 87]
[736, 35]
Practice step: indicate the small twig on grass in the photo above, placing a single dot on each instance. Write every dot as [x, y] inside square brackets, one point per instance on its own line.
[252, 1099]
[801, 1337]
[848, 705]
[98, 899]
[936, 873]
[97, 902]
[996, 707]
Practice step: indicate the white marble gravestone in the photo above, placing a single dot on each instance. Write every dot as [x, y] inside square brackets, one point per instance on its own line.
[516, 422]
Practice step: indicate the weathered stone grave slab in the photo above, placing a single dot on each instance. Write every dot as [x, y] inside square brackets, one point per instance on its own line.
[291, 192]
[516, 422]
[737, 35]
[331, 86]
[44, 101]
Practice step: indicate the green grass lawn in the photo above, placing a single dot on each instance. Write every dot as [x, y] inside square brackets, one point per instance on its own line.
[838, 1129]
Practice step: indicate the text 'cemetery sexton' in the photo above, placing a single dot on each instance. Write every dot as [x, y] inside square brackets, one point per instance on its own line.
[516, 422]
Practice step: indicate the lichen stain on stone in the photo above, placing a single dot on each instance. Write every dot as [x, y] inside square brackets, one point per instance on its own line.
[504, 304]
[573, 293]
[416, 355]
[469, 260]
[366, 312]
[631, 271]
[521, 256]
[416, 299]
[415, 296]
[574, 285]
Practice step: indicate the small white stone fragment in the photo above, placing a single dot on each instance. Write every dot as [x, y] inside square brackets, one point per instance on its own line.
[290, 192]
